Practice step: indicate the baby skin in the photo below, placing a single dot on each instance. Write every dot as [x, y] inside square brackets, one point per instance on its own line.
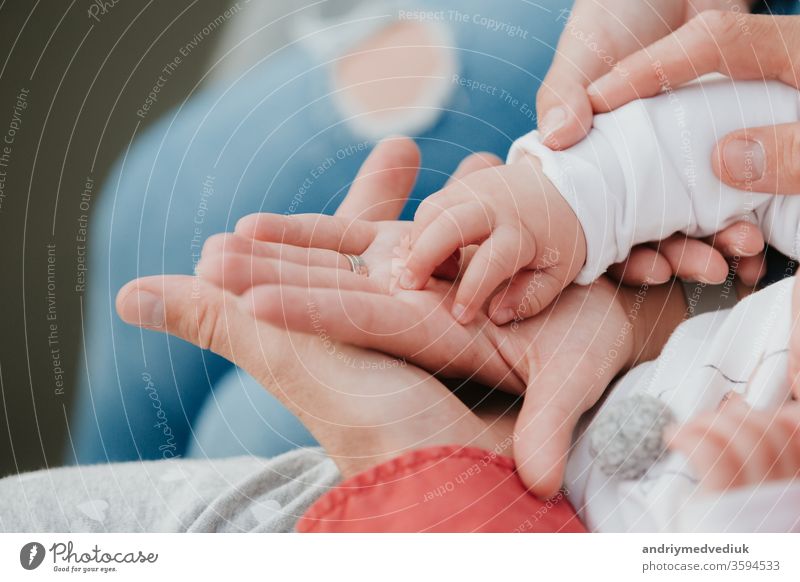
[520, 230]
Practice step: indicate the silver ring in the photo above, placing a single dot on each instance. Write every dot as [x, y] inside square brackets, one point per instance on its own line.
[357, 264]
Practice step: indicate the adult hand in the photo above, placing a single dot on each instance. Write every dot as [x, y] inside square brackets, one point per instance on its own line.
[563, 359]
[598, 34]
[740, 247]
[362, 406]
[597, 38]
[760, 159]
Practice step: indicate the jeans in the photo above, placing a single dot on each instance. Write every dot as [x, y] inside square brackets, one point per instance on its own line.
[273, 140]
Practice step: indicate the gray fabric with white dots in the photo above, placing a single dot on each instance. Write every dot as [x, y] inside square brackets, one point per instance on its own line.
[228, 495]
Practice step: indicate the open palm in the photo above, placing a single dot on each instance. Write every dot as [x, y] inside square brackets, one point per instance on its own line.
[293, 274]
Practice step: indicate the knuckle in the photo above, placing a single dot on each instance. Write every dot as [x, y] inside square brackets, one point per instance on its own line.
[214, 244]
[719, 24]
[544, 96]
[428, 208]
[531, 304]
[497, 261]
[209, 327]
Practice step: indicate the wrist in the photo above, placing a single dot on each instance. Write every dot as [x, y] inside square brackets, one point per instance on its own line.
[653, 313]
[561, 217]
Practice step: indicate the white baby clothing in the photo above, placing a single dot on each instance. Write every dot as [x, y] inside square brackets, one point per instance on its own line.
[643, 173]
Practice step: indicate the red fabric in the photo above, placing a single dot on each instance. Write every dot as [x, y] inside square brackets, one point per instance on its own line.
[440, 489]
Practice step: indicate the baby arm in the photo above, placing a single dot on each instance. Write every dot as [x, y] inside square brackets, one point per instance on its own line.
[644, 172]
[521, 224]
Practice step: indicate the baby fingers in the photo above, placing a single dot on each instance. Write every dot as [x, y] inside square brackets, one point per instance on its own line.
[496, 260]
[453, 228]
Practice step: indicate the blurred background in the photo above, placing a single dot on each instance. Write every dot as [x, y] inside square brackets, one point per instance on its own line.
[72, 77]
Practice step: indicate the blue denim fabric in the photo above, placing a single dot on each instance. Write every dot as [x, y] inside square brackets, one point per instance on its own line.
[254, 145]
[778, 7]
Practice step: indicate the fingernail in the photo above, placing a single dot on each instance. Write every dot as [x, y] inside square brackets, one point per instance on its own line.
[142, 308]
[407, 280]
[552, 121]
[708, 281]
[459, 312]
[593, 90]
[739, 251]
[503, 316]
[651, 280]
[744, 160]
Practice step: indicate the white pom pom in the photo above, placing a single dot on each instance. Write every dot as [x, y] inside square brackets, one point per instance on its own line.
[627, 438]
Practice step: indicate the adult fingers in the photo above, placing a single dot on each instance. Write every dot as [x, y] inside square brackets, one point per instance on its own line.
[185, 307]
[231, 243]
[369, 320]
[742, 245]
[694, 260]
[384, 323]
[587, 49]
[384, 181]
[760, 159]
[563, 109]
[742, 239]
[711, 41]
[336, 233]
[237, 273]
[545, 425]
[643, 265]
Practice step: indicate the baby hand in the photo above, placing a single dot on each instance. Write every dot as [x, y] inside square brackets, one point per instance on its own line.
[526, 231]
[738, 446]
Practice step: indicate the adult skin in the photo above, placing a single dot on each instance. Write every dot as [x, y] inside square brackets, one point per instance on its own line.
[360, 406]
[562, 359]
[598, 37]
[758, 159]
[375, 411]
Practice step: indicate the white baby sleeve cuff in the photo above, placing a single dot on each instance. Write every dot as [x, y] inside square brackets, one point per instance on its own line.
[644, 171]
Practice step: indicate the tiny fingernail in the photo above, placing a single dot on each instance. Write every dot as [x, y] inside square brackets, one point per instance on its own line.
[552, 121]
[407, 280]
[592, 90]
[744, 160]
[459, 312]
[503, 316]
[142, 308]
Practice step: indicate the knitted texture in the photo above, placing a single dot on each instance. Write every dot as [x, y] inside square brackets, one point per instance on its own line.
[627, 438]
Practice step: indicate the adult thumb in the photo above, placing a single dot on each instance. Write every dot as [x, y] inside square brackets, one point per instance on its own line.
[183, 306]
[564, 112]
[760, 159]
[544, 429]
